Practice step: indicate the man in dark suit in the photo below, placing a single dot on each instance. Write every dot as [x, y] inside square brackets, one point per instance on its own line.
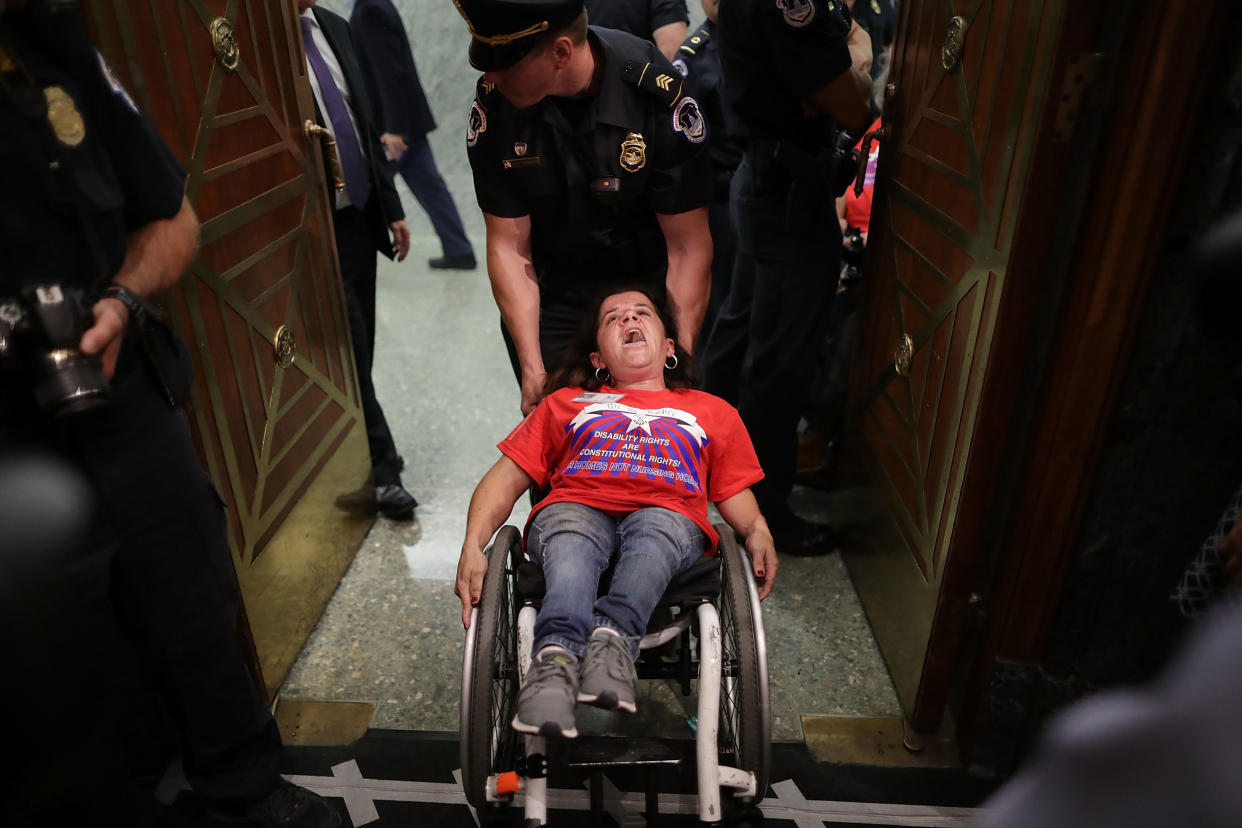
[405, 119]
[366, 211]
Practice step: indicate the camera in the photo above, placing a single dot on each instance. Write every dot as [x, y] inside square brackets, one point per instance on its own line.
[40, 329]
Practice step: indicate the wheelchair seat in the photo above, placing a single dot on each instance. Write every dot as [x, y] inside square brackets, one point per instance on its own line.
[699, 583]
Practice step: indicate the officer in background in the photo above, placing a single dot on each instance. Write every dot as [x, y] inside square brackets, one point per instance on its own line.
[591, 169]
[93, 224]
[879, 18]
[663, 22]
[698, 60]
[794, 72]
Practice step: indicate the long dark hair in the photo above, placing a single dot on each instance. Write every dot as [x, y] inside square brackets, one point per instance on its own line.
[576, 370]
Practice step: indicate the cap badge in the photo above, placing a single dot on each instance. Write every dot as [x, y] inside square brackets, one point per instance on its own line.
[633, 152]
[519, 148]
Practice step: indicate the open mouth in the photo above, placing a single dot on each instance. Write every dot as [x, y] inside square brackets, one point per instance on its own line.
[633, 338]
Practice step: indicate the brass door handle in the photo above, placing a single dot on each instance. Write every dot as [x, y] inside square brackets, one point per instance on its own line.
[313, 130]
[864, 153]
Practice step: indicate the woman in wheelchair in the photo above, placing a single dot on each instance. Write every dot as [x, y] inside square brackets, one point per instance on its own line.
[630, 454]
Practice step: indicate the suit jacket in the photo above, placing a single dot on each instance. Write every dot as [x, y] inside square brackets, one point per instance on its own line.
[388, 64]
[384, 206]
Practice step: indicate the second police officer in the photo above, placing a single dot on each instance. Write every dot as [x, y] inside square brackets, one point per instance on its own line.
[591, 169]
[794, 72]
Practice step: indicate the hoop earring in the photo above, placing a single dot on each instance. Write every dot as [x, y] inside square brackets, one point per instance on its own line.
[604, 378]
[674, 365]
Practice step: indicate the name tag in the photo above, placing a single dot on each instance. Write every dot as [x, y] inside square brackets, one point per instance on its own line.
[596, 397]
[512, 163]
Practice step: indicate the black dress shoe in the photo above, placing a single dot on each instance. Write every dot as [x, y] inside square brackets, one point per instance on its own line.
[800, 538]
[393, 501]
[465, 261]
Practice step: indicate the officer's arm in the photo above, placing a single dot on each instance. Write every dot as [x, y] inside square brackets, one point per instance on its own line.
[689, 243]
[669, 37]
[516, 289]
[156, 255]
[845, 98]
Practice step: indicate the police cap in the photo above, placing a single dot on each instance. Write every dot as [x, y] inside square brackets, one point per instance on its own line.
[505, 31]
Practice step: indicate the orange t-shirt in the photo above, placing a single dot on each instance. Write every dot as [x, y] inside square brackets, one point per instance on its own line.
[858, 208]
[619, 451]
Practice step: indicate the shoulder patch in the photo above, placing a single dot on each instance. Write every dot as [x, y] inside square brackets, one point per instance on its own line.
[113, 81]
[476, 123]
[688, 120]
[797, 13]
[654, 79]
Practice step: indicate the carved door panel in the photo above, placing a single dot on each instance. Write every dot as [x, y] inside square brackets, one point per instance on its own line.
[275, 408]
[967, 88]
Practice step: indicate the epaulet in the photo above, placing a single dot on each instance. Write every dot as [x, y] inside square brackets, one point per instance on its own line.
[653, 79]
[695, 41]
[483, 88]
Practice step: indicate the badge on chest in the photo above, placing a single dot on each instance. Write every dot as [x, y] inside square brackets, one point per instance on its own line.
[633, 152]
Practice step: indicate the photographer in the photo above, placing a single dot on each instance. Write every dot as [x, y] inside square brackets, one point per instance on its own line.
[93, 224]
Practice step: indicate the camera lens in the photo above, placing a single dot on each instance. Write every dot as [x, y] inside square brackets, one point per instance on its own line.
[69, 382]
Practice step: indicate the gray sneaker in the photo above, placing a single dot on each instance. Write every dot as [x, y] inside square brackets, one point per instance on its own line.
[607, 677]
[546, 703]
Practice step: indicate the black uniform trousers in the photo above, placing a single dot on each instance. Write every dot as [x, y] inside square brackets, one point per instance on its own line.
[763, 349]
[558, 322]
[153, 583]
[356, 251]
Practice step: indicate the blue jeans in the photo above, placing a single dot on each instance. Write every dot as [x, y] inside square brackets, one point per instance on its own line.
[574, 544]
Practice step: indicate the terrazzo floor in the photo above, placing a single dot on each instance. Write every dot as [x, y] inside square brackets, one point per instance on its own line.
[392, 632]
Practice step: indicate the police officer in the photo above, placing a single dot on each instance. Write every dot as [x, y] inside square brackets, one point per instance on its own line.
[591, 168]
[93, 223]
[794, 70]
[879, 18]
[663, 22]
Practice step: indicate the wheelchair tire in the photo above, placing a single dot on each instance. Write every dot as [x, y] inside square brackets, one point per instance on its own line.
[490, 674]
[745, 715]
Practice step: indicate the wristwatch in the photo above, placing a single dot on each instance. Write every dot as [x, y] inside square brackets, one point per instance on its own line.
[140, 310]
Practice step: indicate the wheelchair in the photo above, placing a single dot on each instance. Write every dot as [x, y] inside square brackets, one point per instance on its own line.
[715, 598]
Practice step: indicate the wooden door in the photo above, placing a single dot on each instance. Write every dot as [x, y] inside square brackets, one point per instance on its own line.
[967, 94]
[275, 407]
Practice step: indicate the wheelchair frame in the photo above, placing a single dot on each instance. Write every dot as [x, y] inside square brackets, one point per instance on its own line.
[733, 710]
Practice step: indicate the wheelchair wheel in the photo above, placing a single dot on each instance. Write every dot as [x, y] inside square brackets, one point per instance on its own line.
[745, 719]
[490, 674]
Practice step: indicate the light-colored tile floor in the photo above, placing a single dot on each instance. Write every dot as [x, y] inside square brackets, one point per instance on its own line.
[392, 633]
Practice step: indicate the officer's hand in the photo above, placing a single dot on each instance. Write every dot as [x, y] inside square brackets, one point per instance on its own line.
[394, 144]
[471, 568]
[104, 338]
[859, 43]
[532, 389]
[400, 239]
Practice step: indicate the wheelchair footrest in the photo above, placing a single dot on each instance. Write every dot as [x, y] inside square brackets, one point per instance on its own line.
[621, 753]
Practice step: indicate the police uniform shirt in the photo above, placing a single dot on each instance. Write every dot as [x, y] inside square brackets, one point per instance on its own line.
[698, 60]
[638, 17]
[123, 176]
[592, 173]
[775, 54]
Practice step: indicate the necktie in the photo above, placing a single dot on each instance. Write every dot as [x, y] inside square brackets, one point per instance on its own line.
[353, 162]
